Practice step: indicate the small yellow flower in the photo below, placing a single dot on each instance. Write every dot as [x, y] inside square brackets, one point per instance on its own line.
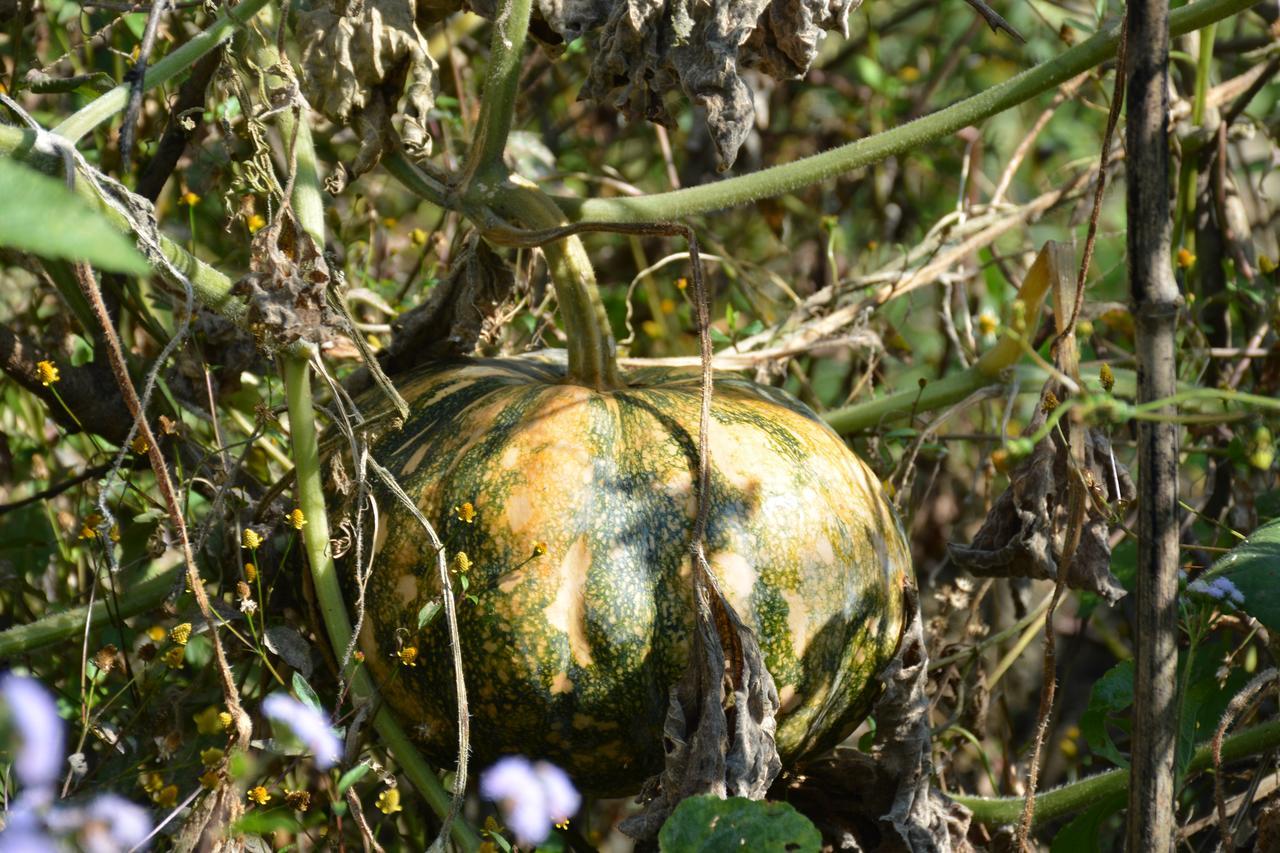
[250, 572]
[211, 757]
[190, 199]
[987, 323]
[155, 633]
[224, 720]
[89, 529]
[174, 657]
[135, 53]
[418, 237]
[390, 222]
[259, 795]
[1106, 377]
[209, 779]
[667, 306]
[389, 801]
[298, 800]
[250, 539]
[466, 513]
[48, 372]
[167, 798]
[297, 519]
[1000, 459]
[208, 722]
[909, 74]
[114, 533]
[492, 826]
[180, 634]
[564, 824]
[140, 445]
[1265, 264]
[461, 563]
[682, 283]
[1084, 328]
[358, 655]
[408, 655]
[1185, 258]
[539, 548]
[151, 782]
[256, 223]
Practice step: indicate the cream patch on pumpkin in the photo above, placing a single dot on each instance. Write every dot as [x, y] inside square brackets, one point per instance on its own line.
[787, 698]
[407, 588]
[561, 683]
[567, 613]
[415, 460]
[797, 622]
[737, 575]
[519, 510]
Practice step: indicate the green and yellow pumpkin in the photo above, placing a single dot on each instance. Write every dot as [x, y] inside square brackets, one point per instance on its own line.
[577, 614]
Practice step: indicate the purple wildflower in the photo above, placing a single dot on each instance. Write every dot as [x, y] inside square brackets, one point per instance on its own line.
[34, 716]
[114, 824]
[308, 725]
[532, 796]
[1203, 587]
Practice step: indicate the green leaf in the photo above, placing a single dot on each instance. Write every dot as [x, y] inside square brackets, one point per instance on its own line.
[1081, 835]
[1254, 567]
[1111, 695]
[305, 693]
[428, 614]
[710, 824]
[45, 218]
[352, 776]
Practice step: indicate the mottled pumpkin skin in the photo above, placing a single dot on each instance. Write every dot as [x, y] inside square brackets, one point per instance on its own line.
[569, 655]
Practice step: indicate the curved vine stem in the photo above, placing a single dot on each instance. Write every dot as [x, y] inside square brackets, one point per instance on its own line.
[484, 160]
[779, 180]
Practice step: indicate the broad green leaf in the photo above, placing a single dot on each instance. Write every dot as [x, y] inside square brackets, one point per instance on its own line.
[1111, 697]
[1254, 567]
[1081, 835]
[710, 824]
[41, 216]
[305, 694]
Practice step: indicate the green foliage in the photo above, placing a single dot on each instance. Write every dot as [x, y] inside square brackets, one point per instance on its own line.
[714, 825]
[1254, 567]
[40, 215]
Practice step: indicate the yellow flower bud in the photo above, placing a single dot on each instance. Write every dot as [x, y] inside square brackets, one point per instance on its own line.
[48, 372]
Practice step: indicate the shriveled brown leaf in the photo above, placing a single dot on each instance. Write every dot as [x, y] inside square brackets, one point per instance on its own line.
[885, 800]
[452, 319]
[1023, 534]
[286, 287]
[357, 58]
[721, 722]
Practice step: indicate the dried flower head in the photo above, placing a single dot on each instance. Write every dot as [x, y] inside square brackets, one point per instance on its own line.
[539, 548]
[173, 658]
[298, 800]
[140, 445]
[105, 658]
[1106, 377]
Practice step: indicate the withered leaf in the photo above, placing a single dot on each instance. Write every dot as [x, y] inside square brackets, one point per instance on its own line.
[1024, 532]
[721, 721]
[885, 800]
[285, 288]
[356, 61]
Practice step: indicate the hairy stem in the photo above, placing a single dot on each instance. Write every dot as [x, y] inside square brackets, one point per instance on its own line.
[484, 160]
[82, 122]
[592, 349]
[1073, 798]
[775, 181]
[333, 609]
[146, 590]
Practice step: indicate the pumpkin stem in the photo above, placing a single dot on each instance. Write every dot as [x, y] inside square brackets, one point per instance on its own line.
[592, 348]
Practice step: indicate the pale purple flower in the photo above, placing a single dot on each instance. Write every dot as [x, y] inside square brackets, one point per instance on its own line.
[113, 824]
[1228, 589]
[1203, 587]
[532, 796]
[307, 724]
[34, 717]
[1220, 588]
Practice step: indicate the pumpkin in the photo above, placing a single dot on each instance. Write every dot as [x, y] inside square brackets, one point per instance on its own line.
[574, 506]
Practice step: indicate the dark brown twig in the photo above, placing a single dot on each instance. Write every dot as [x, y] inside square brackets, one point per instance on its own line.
[136, 77]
